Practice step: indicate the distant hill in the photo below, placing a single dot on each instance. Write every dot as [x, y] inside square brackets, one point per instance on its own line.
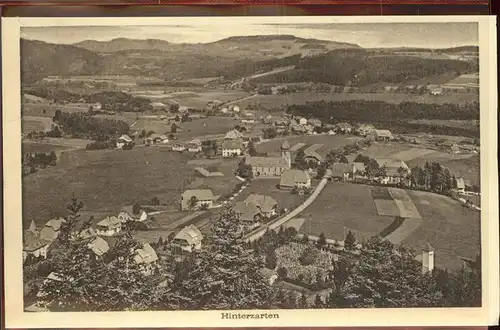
[40, 59]
[452, 50]
[120, 44]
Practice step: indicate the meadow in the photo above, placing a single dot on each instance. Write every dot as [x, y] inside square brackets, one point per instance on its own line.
[105, 181]
[453, 230]
[329, 142]
[270, 101]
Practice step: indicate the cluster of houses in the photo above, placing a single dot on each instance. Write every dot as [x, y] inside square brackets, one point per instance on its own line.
[466, 83]
[193, 146]
[255, 209]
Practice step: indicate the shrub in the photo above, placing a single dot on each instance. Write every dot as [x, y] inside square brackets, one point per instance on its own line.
[308, 256]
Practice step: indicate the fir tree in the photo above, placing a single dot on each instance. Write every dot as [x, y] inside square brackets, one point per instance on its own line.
[226, 274]
[350, 241]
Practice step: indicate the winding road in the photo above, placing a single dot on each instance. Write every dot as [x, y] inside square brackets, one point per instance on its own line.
[253, 235]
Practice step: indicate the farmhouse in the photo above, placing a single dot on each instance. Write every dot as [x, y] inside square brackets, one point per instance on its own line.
[311, 155]
[344, 127]
[233, 135]
[342, 171]
[383, 135]
[298, 129]
[303, 121]
[178, 147]
[109, 226]
[146, 257]
[196, 198]
[435, 90]
[271, 166]
[315, 122]
[188, 239]
[295, 178]
[463, 84]
[255, 208]
[99, 246]
[194, 146]
[460, 185]
[365, 129]
[359, 168]
[122, 141]
[33, 244]
[395, 169]
[51, 229]
[127, 214]
[231, 148]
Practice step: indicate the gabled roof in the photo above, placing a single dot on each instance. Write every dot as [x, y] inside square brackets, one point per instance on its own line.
[460, 183]
[266, 161]
[339, 169]
[383, 132]
[263, 202]
[55, 223]
[130, 210]
[200, 194]
[99, 246]
[315, 122]
[195, 142]
[110, 222]
[285, 145]
[246, 210]
[33, 242]
[232, 144]
[146, 255]
[391, 163]
[293, 177]
[233, 134]
[125, 138]
[32, 227]
[359, 167]
[189, 234]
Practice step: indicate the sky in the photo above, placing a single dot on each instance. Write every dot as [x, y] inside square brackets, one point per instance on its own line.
[368, 35]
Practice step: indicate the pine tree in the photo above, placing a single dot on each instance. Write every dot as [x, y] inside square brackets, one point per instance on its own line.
[350, 241]
[321, 241]
[226, 274]
[318, 302]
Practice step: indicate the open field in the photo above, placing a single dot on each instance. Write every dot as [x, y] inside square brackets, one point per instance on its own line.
[194, 99]
[219, 185]
[466, 124]
[328, 141]
[58, 145]
[462, 165]
[465, 166]
[268, 187]
[303, 97]
[46, 110]
[453, 230]
[342, 206]
[34, 147]
[35, 124]
[105, 180]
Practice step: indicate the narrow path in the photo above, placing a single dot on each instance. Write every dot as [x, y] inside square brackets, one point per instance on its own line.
[180, 222]
[408, 226]
[287, 217]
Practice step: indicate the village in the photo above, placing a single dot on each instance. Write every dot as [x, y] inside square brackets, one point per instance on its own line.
[302, 169]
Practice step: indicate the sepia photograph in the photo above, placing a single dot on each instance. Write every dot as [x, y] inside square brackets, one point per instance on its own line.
[250, 166]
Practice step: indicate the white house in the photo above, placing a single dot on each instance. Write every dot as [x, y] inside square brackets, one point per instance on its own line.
[109, 226]
[236, 109]
[196, 198]
[146, 257]
[188, 239]
[460, 185]
[33, 244]
[427, 259]
[122, 141]
[127, 214]
[303, 121]
[231, 148]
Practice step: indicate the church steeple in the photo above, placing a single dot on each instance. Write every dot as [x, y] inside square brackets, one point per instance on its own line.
[285, 153]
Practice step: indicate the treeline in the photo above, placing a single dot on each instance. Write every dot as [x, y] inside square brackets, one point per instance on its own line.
[32, 161]
[109, 100]
[80, 125]
[358, 67]
[247, 67]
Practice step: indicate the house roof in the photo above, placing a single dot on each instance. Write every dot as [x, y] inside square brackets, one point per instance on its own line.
[246, 210]
[391, 165]
[88, 233]
[55, 223]
[200, 194]
[460, 183]
[33, 242]
[232, 144]
[315, 122]
[125, 138]
[428, 248]
[338, 169]
[130, 210]
[110, 222]
[285, 145]
[263, 202]
[359, 167]
[344, 125]
[196, 142]
[32, 227]
[189, 234]
[312, 154]
[99, 246]
[233, 134]
[266, 161]
[383, 132]
[293, 176]
[146, 255]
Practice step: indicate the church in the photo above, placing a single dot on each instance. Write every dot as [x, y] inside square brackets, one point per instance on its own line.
[271, 166]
